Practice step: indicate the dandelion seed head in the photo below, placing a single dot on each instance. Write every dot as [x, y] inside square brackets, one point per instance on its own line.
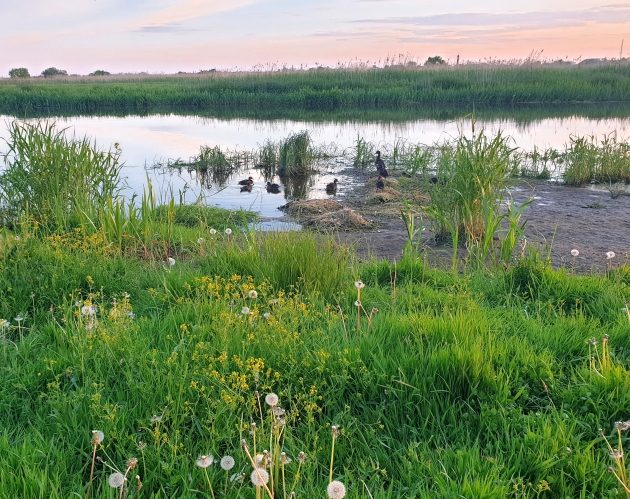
[335, 430]
[19, 318]
[266, 315]
[617, 454]
[271, 399]
[253, 294]
[116, 480]
[245, 311]
[259, 477]
[228, 231]
[156, 419]
[357, 303]
[213, 232]
[336, 490]
[359, 284]
[204, 461]
[132, 463]
[575, 252]
[610, 255]
[171, 261]
[622, 425]
[227, 463]
[97, 437]
[201, 240]
[302, 457]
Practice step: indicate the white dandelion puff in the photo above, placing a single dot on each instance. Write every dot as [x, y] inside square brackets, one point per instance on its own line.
[116, 480]
[245, 311]
[213, 232]
[259, 477]
[271, 399]
[171, 261]
[97, 437]
[575, 252]
[88, 310]
[228, 231]
[610, 255]
[266, 315]
[253, 294]
[204, 461]
[227, 463]
[359, 284]
[336, 490]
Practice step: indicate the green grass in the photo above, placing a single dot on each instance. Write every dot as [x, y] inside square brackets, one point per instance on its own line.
[479, 385]
[320, 91]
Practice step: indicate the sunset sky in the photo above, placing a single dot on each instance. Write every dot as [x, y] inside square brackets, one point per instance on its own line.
[166, 36]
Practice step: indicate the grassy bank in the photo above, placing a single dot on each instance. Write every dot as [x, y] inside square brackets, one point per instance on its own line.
[321, 91]
[139, 341]
[476, 385]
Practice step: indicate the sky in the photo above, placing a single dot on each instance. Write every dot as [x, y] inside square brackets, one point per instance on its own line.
[167, 36]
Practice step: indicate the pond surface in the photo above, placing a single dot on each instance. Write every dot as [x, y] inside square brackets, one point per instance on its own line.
[147, 141]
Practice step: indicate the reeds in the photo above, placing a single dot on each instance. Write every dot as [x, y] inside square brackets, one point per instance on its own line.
[296, 155]
[591, 161]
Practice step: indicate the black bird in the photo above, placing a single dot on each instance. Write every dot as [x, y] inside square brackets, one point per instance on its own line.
[380, 183]
[248, 181]
[332, 187]
[247, 187]
[380, 165]
[273, 188]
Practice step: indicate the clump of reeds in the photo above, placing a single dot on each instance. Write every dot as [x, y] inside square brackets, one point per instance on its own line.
[363, 153]
[55, 181]
[296, 155]
[268, 159]
[604, 161]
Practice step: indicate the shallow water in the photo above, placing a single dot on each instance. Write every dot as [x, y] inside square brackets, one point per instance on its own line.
[150, 140]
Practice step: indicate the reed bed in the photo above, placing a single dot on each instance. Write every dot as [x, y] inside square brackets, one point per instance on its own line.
[323, 90]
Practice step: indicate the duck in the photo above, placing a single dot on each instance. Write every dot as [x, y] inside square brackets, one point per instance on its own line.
[331, 188]
[273, 188]
[247, 187]
[380, 183]
[380, 165]
[247, 181]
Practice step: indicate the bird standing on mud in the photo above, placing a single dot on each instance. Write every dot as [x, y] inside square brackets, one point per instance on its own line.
[331, 188]
[380, 165]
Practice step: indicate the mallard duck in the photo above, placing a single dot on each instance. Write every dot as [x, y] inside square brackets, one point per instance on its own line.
[273, 188]
[247, 187]
[380, 183]
[247, 181]
[380, 165]
[331, 188]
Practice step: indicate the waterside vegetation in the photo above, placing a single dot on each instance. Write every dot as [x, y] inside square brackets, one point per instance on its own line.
[326, 90]
[139, 344]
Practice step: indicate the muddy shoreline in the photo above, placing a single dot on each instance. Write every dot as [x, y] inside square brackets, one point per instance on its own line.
[560, 218]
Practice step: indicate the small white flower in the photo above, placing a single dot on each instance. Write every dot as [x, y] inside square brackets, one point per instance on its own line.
[171, 261]
[271, 399]
[253, 294]
[116, 480]
[574, 252]
[336, 490]
[245, 311]
[213, 232]
[204, 461]
[359, 284]
[227, 463]
[610, 255]
[228, 231]
[259, 477]
[201, 240]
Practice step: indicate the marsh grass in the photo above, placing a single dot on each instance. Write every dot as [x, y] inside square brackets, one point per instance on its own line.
[296, 155]
[54, 181]
[591, 161]
[363, 153]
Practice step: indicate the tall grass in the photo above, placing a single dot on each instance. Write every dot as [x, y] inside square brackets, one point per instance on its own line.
[323, 91]
[55, 181]
[296, 155]
[603, 161]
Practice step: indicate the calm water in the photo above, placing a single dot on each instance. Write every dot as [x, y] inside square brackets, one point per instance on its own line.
[148, 140]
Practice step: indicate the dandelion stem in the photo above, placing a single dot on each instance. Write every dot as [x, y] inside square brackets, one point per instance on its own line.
[332, 456]
[209, 483]
[87, 494]
[251, 460]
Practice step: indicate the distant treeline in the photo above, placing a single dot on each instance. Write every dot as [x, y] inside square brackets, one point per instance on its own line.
[336, 91]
